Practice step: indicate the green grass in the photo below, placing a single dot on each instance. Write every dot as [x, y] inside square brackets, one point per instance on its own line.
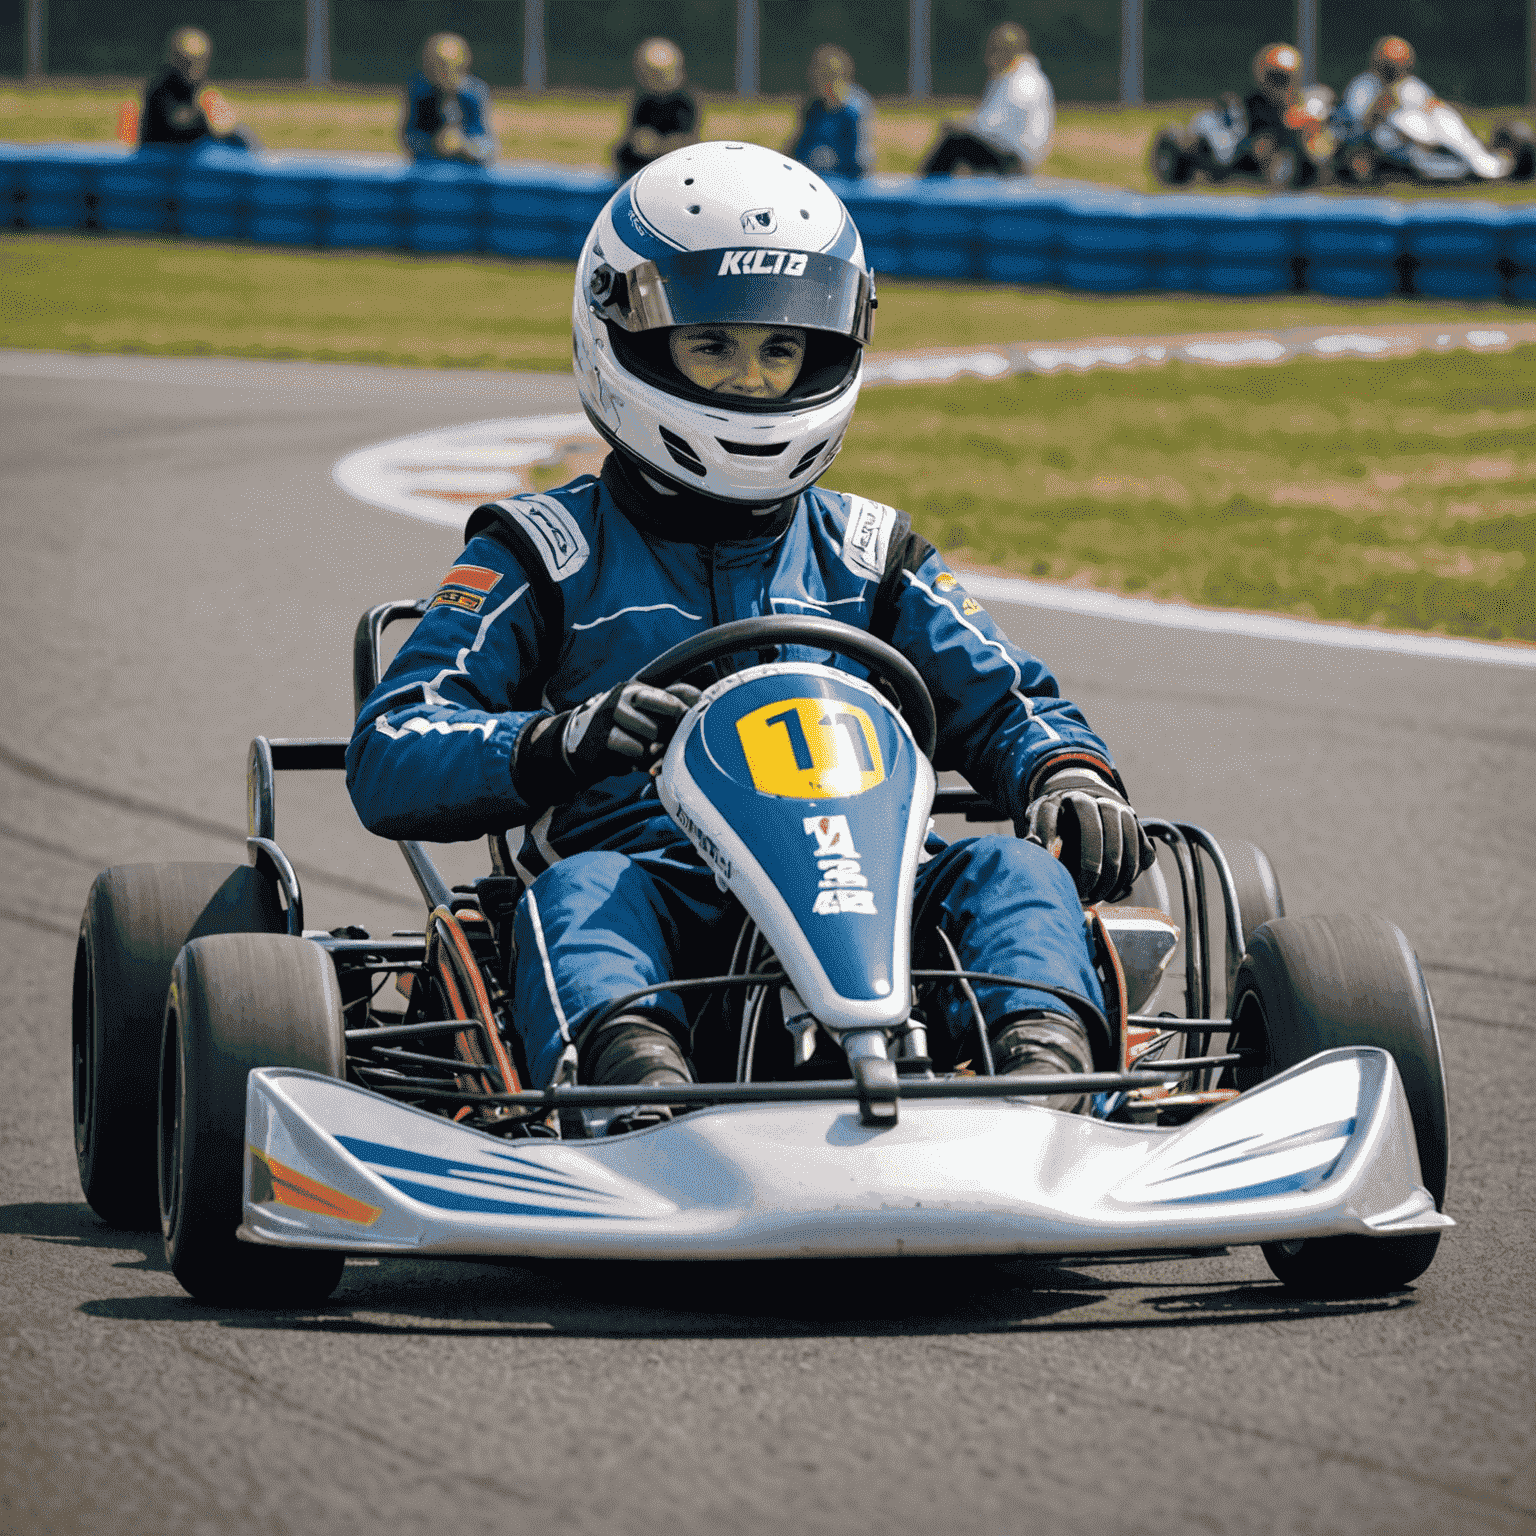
[1106, 144]
[88, 294]
[1399, 494]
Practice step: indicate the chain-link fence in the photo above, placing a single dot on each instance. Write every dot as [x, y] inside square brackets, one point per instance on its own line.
[1474, 51]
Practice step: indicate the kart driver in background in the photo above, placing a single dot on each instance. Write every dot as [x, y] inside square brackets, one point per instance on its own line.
[1389, 83]
[1275, 69]
[722, 305]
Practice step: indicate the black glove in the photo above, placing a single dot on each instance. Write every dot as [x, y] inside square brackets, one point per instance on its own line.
[612, 733]
[1088, 824]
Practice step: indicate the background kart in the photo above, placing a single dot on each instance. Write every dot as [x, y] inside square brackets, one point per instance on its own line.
[236, 1077]
[1220, 143]
[1429, 142]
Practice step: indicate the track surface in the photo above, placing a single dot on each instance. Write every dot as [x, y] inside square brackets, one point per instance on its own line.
[181, 573]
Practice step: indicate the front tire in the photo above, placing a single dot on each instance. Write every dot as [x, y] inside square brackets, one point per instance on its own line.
[1518, 138]
[236, 1002]
[136, 918]
[1171, 164]
[1311, 984]
[1259, 899]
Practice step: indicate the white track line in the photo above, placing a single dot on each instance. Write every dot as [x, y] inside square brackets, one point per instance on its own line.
[435, 476]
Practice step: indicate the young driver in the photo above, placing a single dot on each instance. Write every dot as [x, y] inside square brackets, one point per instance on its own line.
[721, 310]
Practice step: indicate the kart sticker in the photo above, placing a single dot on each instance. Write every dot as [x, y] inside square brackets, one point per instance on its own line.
[811, 749]
[843, 886]
[466, 586]
[276, 1183]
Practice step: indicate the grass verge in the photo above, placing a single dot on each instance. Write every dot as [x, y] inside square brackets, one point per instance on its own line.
[1400, 494]
[1107, 144]
[87, 294]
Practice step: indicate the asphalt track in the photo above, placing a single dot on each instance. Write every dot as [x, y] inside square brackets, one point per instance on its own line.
[180, 573]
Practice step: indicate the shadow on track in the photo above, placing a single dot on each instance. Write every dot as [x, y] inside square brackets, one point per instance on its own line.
[912, 1298]
[73, 1224]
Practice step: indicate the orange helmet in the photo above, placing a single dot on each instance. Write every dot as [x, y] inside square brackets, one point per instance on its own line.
[1391, 58]
[1277, 66]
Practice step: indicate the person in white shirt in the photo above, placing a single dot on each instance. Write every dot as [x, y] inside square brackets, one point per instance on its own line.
[1010, 132]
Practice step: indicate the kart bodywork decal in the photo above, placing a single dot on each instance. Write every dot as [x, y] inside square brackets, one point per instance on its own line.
[458, 1184]
[272, 1181]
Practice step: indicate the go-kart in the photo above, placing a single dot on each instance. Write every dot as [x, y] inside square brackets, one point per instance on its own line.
[1221, 143]
[238, 1080]
[1429, 141]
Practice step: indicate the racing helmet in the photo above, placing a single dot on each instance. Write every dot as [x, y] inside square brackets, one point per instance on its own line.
[721, 233]
[445, 60]
[1276, 68]
[1392, 58]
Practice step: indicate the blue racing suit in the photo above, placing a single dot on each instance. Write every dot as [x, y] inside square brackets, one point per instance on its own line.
[837, 142]
[428, 110]
[563, 595]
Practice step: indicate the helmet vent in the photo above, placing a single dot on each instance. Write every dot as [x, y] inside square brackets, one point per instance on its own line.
[808, 460]
[682, 454]
[754, 450]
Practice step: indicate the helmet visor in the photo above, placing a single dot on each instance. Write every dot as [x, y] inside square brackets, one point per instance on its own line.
[755, 286]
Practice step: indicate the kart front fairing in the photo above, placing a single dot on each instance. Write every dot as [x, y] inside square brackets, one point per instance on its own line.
[806, 793]
[1432, 140]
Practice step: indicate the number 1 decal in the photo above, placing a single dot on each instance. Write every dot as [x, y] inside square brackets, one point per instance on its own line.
[811, 749]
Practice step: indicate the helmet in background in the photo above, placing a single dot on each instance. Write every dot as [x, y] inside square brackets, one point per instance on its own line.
[1392, 58]
[445, 61]
[1276, 68]
[721, 234]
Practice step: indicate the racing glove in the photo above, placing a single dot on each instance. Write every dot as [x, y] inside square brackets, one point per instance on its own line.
[616, 732]
[1088, 824]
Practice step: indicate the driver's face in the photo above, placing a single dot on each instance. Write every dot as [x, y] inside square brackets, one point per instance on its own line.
[759, 361]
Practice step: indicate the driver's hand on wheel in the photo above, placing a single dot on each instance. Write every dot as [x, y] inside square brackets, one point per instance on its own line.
[1088, 824]
[612, 733]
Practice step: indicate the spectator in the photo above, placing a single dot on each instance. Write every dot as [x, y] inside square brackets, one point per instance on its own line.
[179, 108]
[1010, 132]
[834, 137]
[447, 110]
[663, 116]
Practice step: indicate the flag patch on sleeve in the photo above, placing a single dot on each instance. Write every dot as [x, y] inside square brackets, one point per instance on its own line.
[466, 587]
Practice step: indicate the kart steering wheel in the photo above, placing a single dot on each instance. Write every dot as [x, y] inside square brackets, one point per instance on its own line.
[885, 662]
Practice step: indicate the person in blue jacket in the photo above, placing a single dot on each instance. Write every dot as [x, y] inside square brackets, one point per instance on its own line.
[447, 110]
[837, 122]
[723, 302]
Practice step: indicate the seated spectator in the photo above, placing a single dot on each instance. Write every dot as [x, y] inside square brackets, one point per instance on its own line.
[1010, 132]
[835, 124]
[179, 108]
[663, 116]
[447, 110]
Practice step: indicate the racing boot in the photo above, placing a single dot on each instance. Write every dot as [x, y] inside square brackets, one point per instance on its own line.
[1039, 1044]
[634, 1049]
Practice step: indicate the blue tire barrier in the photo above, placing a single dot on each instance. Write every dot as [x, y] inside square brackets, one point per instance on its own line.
[1375, 280]
[968, 229]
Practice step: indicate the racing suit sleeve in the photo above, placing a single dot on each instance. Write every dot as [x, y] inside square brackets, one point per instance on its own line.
[431, 752]
[1002, 720]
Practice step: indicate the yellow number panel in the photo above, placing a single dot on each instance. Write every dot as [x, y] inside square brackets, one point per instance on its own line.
[811, 749]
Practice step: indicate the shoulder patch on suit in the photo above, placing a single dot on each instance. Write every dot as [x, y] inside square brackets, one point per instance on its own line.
[553, 532]
[868, 536]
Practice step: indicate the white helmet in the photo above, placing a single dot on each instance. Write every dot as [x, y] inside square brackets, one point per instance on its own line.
[727, 233]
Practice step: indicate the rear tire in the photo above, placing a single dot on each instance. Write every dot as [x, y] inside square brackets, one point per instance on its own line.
[1171, 164]
[136, 918]
[1519, 139]
[236, 1002]
[1311, 984]
[1258, 898]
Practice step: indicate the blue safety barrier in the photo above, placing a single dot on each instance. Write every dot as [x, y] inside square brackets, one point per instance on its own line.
[970, 229]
